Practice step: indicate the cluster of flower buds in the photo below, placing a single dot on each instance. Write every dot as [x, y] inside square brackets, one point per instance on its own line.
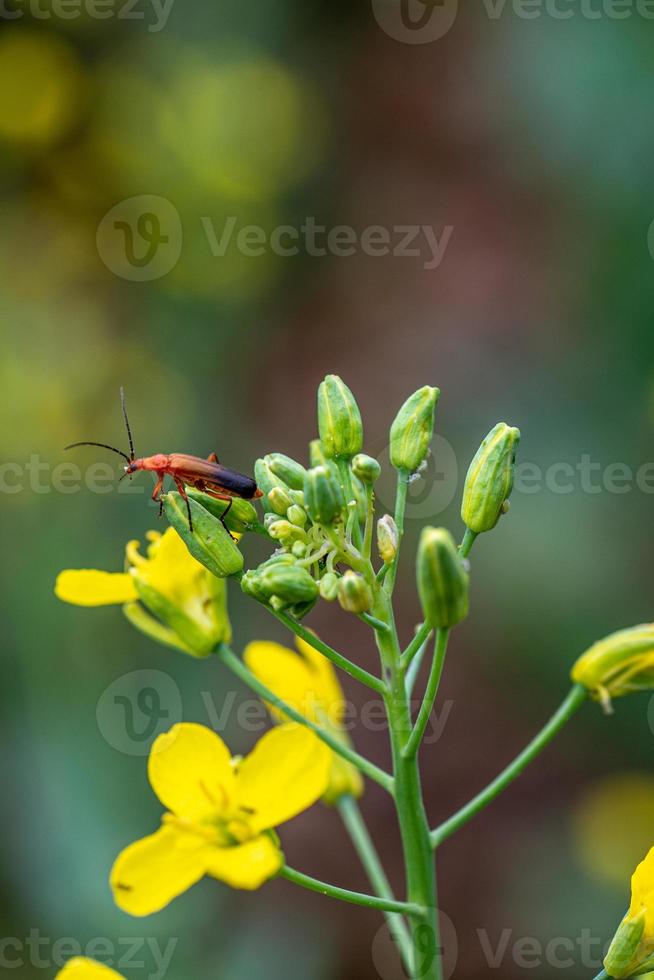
[310, 512]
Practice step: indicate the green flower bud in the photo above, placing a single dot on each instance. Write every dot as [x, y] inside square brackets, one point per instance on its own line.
[622, 957]
[291, 583]
[413, 428]
[284, 531]
[619, 664]
[209, 542]
[442, 579]
[297, 515]
[354, 593]
[366, 469]
[286, 469]
[270, 518]
[339, 419]
[329, 586]
[279, 500]
[251, 585]
[323, 497]
[267, 480]
[490, 479]
[241, 516]
[388, 538]
[280, 558]
[299, 549]
[297, 497]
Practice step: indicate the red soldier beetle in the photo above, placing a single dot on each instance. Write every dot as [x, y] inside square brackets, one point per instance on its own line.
[207, 475]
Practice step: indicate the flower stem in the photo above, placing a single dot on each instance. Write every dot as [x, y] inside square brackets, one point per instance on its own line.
[355, 898]
[412, 818]
[352, 818]
[400, 510]
[370, 521]
[336, 658]
[467, 543]
[411, 748]
[572, 702]
[375, 623]
[346, 479]
[368, 768]
[423, 633]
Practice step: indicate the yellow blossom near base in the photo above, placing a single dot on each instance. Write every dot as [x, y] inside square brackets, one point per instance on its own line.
[82, 969]
[632, 947]
[189, 603]
[221, 812]
[307, 682]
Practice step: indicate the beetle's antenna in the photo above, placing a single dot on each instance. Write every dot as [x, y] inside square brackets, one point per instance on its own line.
[102, 445]
[129, 431]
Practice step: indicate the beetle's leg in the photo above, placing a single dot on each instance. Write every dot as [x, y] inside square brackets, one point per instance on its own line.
[183, 494]
[222, 496]
[212, 458]
[156, 493]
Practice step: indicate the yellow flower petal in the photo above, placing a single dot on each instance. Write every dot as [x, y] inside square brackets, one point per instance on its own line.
[286, 772]
[153, 871]
[307, 681]
[642, 893]
[82, 969]
[247, 865]
[190, 770]
[89, 587]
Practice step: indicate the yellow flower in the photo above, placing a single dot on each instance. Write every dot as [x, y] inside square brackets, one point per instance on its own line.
[82, 969]
[221, 812]
[189, 603]
[632, 947]
[619, 664]
[307, 682]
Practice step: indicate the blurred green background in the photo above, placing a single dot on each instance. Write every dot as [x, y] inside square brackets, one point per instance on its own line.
[532, 140]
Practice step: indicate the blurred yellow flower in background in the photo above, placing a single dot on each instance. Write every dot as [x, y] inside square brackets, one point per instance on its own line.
[222, 812]
[307, 682]
[607, 807]
[189, 603]
[41, 86]
[82, 969]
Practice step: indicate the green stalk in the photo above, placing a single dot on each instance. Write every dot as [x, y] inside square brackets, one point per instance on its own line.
[423, 633]
[352, 818]
[345, 895]
[400, 510]
[440, 649]
[336, 658]
[368, 768]
[570, 705]
[346, 478]
[412, 818]
[370, 521]
[467, 543]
